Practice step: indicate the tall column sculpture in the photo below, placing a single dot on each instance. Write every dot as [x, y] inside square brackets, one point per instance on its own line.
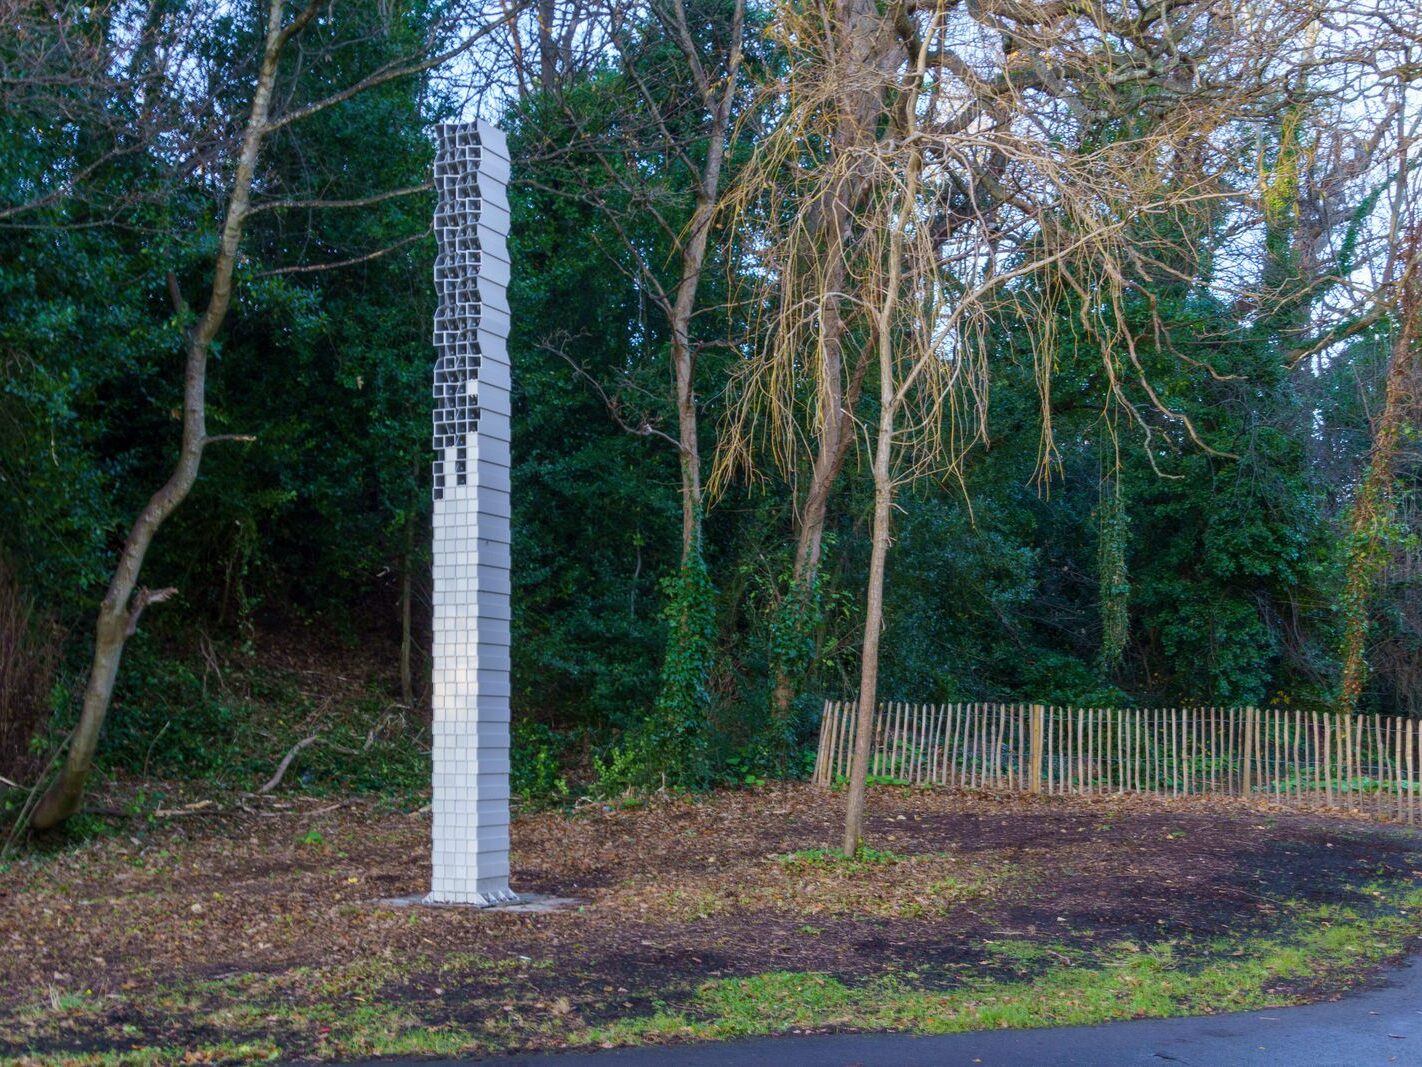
[471, 519]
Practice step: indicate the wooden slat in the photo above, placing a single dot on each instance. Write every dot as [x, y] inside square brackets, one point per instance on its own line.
[891, 740]
[971, 723]
[1346, 774]
[930, 771]
[1035, 778]
[980, 745]
[994, 724]
[920, 750]
[921, 743]
[1185, 759]
[1148, 734]
[965, 762]
[1138, 729]
[925, 743]
[1080, 751]
[1136, 777]
[876, 748]
[1379, 772]
[1412, 728]
[1111, 745]
[980, 713]
[935, 750]
[930, 741]
[954, 764]
[843, 729]
[1247, 785]
[905, 765]
[904, 750]
[945, 756]
[1268, 751]
[1159, 750]
[969, 763]
[1016, 749]
[950, 745]
[850, 729]
[1296, 723]
[1006, 717]
[884, 723]
[822, 753]
[1092, 757]
[940, 763]
[1395, 729]
[1224, 763]
[997, 722]
[1049, 742]
[837, 727]
[900, 749]
[1172, 743]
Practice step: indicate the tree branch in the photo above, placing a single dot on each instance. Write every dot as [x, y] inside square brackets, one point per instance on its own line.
[309, 268]
[365, 201]
[141, 600]
[380, 77]
[614, 407]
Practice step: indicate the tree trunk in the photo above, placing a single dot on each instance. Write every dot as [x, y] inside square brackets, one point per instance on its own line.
[810, 528]
[693, 262]
[873, 627]
[407, 595]
[124, 601]
[684, 385]
[891, 395]
[867, 52]
[1375, 510]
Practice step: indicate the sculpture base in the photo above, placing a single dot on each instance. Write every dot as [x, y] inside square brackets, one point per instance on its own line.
[528, 902]
[493, 899]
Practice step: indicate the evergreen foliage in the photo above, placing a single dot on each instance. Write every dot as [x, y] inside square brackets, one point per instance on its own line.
[1174, 573]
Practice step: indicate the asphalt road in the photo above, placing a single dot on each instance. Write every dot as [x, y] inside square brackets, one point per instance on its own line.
[1382, 1025]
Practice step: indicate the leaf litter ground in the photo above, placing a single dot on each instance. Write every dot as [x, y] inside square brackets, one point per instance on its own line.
[263, 932]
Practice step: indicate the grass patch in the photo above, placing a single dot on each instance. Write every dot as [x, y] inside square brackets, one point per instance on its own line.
[832, 859]
[1125, 982]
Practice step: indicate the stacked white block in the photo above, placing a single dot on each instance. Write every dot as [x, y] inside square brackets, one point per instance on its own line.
[471, 518]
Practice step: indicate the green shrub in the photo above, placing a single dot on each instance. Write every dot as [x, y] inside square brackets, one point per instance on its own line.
[535, 775]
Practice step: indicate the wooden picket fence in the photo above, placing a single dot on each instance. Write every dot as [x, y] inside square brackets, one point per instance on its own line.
[1370, 763]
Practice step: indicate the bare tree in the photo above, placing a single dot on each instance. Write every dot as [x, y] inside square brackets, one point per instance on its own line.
[1373, 523]
[147, 53]
[1024, 163]
[672, 129]
[1382, 285]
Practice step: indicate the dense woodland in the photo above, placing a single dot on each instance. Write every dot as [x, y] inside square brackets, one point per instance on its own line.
[1160, 451]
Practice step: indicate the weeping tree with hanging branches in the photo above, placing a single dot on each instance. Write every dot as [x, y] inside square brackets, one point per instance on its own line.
[944, 175]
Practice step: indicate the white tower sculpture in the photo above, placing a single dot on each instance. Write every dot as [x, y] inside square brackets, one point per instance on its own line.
[471, 519]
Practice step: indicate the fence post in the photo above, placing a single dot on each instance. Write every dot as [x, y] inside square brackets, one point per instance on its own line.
[1035, 785]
